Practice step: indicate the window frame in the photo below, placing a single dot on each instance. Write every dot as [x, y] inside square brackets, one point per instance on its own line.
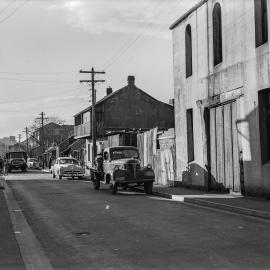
[188, 50]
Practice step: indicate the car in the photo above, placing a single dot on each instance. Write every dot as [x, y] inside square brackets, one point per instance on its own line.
[32, 163]
[67, 167]
[121, 166]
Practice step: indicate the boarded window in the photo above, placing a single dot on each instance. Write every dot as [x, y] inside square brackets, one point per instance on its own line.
[190, 140]
[217, 34]
[264, 114]
[261, 29]
[188, 51]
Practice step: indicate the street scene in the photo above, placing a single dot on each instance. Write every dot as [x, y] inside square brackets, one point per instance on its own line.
[134, 134]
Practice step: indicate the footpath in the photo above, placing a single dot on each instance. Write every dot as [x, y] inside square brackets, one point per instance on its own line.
[256, 207]
[10, 255]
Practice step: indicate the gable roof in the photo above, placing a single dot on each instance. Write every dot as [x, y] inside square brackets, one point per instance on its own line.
[183, 17]
[114, 93]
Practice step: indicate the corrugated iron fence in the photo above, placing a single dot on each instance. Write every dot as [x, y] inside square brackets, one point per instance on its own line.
[158, 149]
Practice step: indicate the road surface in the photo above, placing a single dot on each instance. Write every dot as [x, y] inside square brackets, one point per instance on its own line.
[78, 227]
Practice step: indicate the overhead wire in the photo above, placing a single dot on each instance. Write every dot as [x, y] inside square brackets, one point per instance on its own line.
[14, 11]
[132, 40]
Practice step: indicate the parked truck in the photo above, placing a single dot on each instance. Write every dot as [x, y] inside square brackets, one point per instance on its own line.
[121, 167]
[16, 160]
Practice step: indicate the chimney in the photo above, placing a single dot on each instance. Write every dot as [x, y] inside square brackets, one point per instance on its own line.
[131, 80]
[171, 101]
[108, 90]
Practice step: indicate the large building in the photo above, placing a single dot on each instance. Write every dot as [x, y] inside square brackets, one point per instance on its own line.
[125, 110]
[222, 96]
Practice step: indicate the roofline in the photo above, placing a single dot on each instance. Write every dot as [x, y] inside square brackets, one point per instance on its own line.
[187, 14]
[112, 94]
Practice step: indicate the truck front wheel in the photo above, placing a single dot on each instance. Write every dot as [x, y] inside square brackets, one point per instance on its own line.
[148, 187]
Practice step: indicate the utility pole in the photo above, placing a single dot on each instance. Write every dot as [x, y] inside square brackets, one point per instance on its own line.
[93, 130]
[19, 141]
[42, 118]
[26, 134]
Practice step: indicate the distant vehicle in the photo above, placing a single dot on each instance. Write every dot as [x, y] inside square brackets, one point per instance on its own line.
[32, 163]
[121, 166]
[67, 167]
[16, 160]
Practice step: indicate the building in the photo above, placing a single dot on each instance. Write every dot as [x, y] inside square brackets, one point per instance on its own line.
[222, 96]
[128, 109]
[53, 135]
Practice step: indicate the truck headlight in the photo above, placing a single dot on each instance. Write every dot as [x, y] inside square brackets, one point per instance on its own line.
[149, 166]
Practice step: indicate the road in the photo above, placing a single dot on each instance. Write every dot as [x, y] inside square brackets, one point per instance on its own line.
[81, 228]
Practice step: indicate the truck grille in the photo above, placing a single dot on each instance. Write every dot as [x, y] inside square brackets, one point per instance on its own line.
[133, 168]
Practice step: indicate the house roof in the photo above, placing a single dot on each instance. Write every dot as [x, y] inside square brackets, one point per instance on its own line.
[114, 93]
[183, 17]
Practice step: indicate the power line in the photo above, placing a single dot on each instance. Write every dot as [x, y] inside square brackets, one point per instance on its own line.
[34, 81]
[38, 98]
[7, 6]
[14, 11]
[131, 41]
[38, 73]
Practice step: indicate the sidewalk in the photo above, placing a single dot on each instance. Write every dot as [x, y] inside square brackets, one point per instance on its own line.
[10, 256]
[230, 202]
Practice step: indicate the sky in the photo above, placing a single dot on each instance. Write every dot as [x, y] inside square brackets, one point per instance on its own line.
[44, 44]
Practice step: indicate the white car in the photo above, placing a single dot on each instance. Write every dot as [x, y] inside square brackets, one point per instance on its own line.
[32, 163]
[67, 167]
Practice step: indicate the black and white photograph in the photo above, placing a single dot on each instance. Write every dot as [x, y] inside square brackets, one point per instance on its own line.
[134, 134]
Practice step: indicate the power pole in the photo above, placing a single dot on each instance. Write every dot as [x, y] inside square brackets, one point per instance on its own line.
[20, 142]
[93, 130]
[26, 134]
[42, 118]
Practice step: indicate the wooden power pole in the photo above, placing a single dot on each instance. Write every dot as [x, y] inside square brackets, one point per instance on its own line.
[26, 130]
[42, 118]
[93, 91]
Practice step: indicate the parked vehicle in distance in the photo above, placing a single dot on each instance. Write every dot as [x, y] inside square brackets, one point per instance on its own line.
[16, 160]
[121, 166]
[32, 163]
[67, 167]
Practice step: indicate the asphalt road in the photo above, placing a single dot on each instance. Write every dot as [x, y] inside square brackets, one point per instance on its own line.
[81, 228]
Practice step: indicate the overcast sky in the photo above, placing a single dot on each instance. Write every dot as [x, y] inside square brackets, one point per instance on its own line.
[44, 44]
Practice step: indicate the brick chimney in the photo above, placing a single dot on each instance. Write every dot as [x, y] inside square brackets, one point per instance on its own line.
[171, 101]
[108, 90]
[131, 80]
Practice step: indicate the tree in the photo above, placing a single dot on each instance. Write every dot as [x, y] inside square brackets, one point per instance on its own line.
[51, 119]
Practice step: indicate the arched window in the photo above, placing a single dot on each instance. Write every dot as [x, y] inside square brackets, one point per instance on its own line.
[217, 34]
[188, 51]
[261, 29]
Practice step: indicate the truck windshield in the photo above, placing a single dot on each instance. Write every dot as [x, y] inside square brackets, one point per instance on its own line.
[124, 153]
[68, 161]
[16, 155]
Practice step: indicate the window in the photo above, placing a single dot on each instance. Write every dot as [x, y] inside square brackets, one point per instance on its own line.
[217, 34]
[190, 140]
[264, 121]
[261, 29]
[188, 51]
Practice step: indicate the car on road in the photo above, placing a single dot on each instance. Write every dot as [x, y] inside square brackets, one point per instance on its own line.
[67, 167]
[121, 167]
[32, 163]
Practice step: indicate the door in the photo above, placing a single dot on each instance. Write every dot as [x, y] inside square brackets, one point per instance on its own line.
[224, 153]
